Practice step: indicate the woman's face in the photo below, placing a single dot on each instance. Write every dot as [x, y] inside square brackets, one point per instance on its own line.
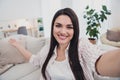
[63, 29]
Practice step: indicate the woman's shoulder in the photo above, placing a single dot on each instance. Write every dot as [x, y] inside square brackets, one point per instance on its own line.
[85, 45]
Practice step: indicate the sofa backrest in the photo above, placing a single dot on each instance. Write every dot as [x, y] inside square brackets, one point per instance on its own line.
[33, 44]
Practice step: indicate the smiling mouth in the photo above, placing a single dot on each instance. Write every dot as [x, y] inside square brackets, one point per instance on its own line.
[62, 37]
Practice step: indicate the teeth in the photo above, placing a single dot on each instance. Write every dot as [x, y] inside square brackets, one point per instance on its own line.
[62, 37]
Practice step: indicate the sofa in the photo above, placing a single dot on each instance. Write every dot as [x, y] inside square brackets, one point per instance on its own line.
[111, 37]
[25, 70]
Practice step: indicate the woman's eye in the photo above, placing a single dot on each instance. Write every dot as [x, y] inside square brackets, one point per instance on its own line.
[58, 25]
[70, 27]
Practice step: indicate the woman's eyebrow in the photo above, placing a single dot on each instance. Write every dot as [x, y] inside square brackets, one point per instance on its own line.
[57, 23]
[69, 24]
[66, 25]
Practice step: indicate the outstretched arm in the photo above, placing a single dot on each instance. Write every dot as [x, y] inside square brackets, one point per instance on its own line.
[109, 64]
[23, 51]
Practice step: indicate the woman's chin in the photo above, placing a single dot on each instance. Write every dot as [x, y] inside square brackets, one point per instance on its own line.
[62, 42]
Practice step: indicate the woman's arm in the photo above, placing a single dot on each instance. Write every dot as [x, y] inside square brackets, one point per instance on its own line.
[23, 51]
[109, 64]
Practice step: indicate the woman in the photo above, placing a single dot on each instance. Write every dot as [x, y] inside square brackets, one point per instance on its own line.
[67, 57]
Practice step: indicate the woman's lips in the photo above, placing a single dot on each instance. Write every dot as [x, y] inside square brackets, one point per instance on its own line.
[62, 37]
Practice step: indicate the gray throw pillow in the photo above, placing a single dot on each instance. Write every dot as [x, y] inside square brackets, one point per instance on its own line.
[113, 35]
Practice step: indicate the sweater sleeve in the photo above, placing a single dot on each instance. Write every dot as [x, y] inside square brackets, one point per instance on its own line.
[89, 53]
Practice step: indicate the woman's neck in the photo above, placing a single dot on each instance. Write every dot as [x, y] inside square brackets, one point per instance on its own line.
[61, 52]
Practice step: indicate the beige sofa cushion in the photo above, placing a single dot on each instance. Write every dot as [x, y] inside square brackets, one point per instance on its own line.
[4, 68]
[19, 71]
[114, 41]
[34, 45]
[9, 55]
[104, 40]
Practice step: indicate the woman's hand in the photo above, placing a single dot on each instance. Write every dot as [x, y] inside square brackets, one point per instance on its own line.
[23, 51]
[14, 42]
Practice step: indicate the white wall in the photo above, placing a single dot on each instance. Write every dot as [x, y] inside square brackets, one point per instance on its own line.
[66, 3]
[16, 9]
[49, 7]
[79, 6]
[115, 5]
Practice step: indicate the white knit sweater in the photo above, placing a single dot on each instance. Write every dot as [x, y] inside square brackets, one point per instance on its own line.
[88, 55]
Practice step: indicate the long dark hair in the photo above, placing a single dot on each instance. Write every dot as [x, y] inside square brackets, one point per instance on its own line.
[73, 48]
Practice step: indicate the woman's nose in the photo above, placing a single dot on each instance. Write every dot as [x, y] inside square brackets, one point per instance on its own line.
[63, 30]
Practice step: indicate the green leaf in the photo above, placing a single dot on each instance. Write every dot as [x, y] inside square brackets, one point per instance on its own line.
[96, 15]
[87, 7]
[88, 18]
[94, 24]
[88, 28]
[98, 25]
[90, 12]
[39, 20]
[108, 13]
[88, 22]
[102, 12]
[105, 17]
[104, 8]
[87, 32]
[84, 16]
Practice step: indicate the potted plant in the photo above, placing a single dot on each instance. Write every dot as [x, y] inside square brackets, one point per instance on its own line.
[94, 19]
[40, 26]
[39, 20]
